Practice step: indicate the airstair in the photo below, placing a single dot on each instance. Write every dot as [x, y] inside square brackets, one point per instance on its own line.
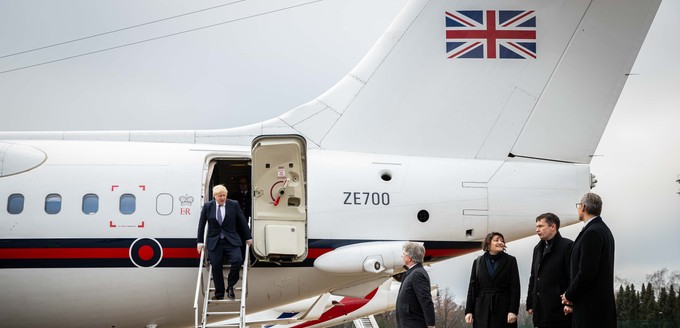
[220, 309]
[366, 322]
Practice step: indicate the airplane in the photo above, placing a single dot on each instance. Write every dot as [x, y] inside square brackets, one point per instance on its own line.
[329, 310]
[464, 118]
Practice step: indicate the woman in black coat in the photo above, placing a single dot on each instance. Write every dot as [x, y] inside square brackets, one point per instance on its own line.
[494, 291]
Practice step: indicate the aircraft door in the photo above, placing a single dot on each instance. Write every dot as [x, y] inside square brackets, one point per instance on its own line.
[279, 183]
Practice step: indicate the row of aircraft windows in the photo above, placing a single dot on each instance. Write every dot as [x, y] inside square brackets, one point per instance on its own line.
[90, 205]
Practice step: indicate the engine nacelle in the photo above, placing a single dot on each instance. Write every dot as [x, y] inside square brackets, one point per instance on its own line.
[373, 257]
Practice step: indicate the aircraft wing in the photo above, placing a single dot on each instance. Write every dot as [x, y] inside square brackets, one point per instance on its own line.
[336, 309]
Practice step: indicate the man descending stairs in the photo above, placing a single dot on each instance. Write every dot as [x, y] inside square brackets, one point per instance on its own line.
[223, 230]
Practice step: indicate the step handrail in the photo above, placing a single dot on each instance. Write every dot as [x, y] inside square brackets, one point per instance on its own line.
[199, 277]
[244, 288]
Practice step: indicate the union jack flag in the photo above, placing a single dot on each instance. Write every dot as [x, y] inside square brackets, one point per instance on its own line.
[491, 34]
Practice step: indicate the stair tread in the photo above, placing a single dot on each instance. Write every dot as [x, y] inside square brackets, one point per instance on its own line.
[226, 300]
[222, 312]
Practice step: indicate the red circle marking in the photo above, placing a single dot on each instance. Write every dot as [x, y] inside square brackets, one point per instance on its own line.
[145, 252]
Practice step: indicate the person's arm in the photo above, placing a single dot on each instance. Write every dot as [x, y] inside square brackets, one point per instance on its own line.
[202, 220]
[472, 293]
[566, 266]
[515, 292]
[422, 289]
[530, 292]
[243, 225]
[591, 244]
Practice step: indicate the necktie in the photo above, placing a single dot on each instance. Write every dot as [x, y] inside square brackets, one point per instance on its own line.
[219, 219]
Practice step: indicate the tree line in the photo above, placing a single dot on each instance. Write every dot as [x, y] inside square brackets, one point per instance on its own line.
[656, 304]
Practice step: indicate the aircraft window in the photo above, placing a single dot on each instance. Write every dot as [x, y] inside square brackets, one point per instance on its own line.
[90, 204]
[164, 204]
[53, 204]
[128, 203]
[15, 203]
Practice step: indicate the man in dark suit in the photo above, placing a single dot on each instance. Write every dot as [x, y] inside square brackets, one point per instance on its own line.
[243, 196]
[590, 294]
[226, 225]
[415, 308]
[549, 274]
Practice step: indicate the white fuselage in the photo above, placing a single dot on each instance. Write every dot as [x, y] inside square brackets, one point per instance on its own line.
[109, 269]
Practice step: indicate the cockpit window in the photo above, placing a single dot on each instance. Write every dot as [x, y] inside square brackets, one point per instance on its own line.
[53, 204]
[15, 203]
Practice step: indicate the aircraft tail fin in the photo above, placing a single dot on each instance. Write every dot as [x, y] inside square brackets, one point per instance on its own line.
[483, 80]
[465, 79]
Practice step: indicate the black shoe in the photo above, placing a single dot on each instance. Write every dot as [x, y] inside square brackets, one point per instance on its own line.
[230, 292]
[217, 297]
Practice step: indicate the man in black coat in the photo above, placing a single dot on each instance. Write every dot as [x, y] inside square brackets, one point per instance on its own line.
[549, 274]
[591, 290]
[226, 225]
[415, 308]
[243, 196]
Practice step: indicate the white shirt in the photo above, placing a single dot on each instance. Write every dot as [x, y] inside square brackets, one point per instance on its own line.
[588, 221]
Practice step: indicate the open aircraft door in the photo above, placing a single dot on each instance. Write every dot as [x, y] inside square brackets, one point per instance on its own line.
[279, 183]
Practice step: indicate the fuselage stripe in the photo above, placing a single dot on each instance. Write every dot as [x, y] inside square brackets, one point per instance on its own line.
[64, 253]
[178, 252]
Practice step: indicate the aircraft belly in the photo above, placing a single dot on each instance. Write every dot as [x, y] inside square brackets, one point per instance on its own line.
[100, 297]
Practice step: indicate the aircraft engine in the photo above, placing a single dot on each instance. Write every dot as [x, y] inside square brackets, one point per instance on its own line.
[371, 257]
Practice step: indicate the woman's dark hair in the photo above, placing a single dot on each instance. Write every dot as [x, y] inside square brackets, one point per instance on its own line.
[487, 241]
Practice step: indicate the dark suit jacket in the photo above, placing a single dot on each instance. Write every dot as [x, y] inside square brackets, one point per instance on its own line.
[244, 200]
[234, 224]
[592, 276]
[414, 302]
[490, 299]
[549, 279]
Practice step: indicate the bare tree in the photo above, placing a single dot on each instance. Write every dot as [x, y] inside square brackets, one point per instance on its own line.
[618, 281]
[448, 314]
[657, 280]
[674, 280]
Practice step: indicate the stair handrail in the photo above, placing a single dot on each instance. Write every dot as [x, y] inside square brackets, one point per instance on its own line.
[199, 277]
[244, 288]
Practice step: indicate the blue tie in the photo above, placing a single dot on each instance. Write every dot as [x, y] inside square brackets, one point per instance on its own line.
[219, 219]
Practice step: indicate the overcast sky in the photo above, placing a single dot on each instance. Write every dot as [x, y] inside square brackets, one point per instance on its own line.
[254, 60]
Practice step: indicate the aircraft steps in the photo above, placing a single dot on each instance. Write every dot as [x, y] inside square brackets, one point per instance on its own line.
[225, 307]
[366, 322]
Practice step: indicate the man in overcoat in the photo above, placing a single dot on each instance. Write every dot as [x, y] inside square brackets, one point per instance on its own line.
[591, 290]
[415, 308]
[549, 274]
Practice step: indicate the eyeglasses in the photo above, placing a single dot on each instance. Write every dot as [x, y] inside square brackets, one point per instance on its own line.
[578, 205]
